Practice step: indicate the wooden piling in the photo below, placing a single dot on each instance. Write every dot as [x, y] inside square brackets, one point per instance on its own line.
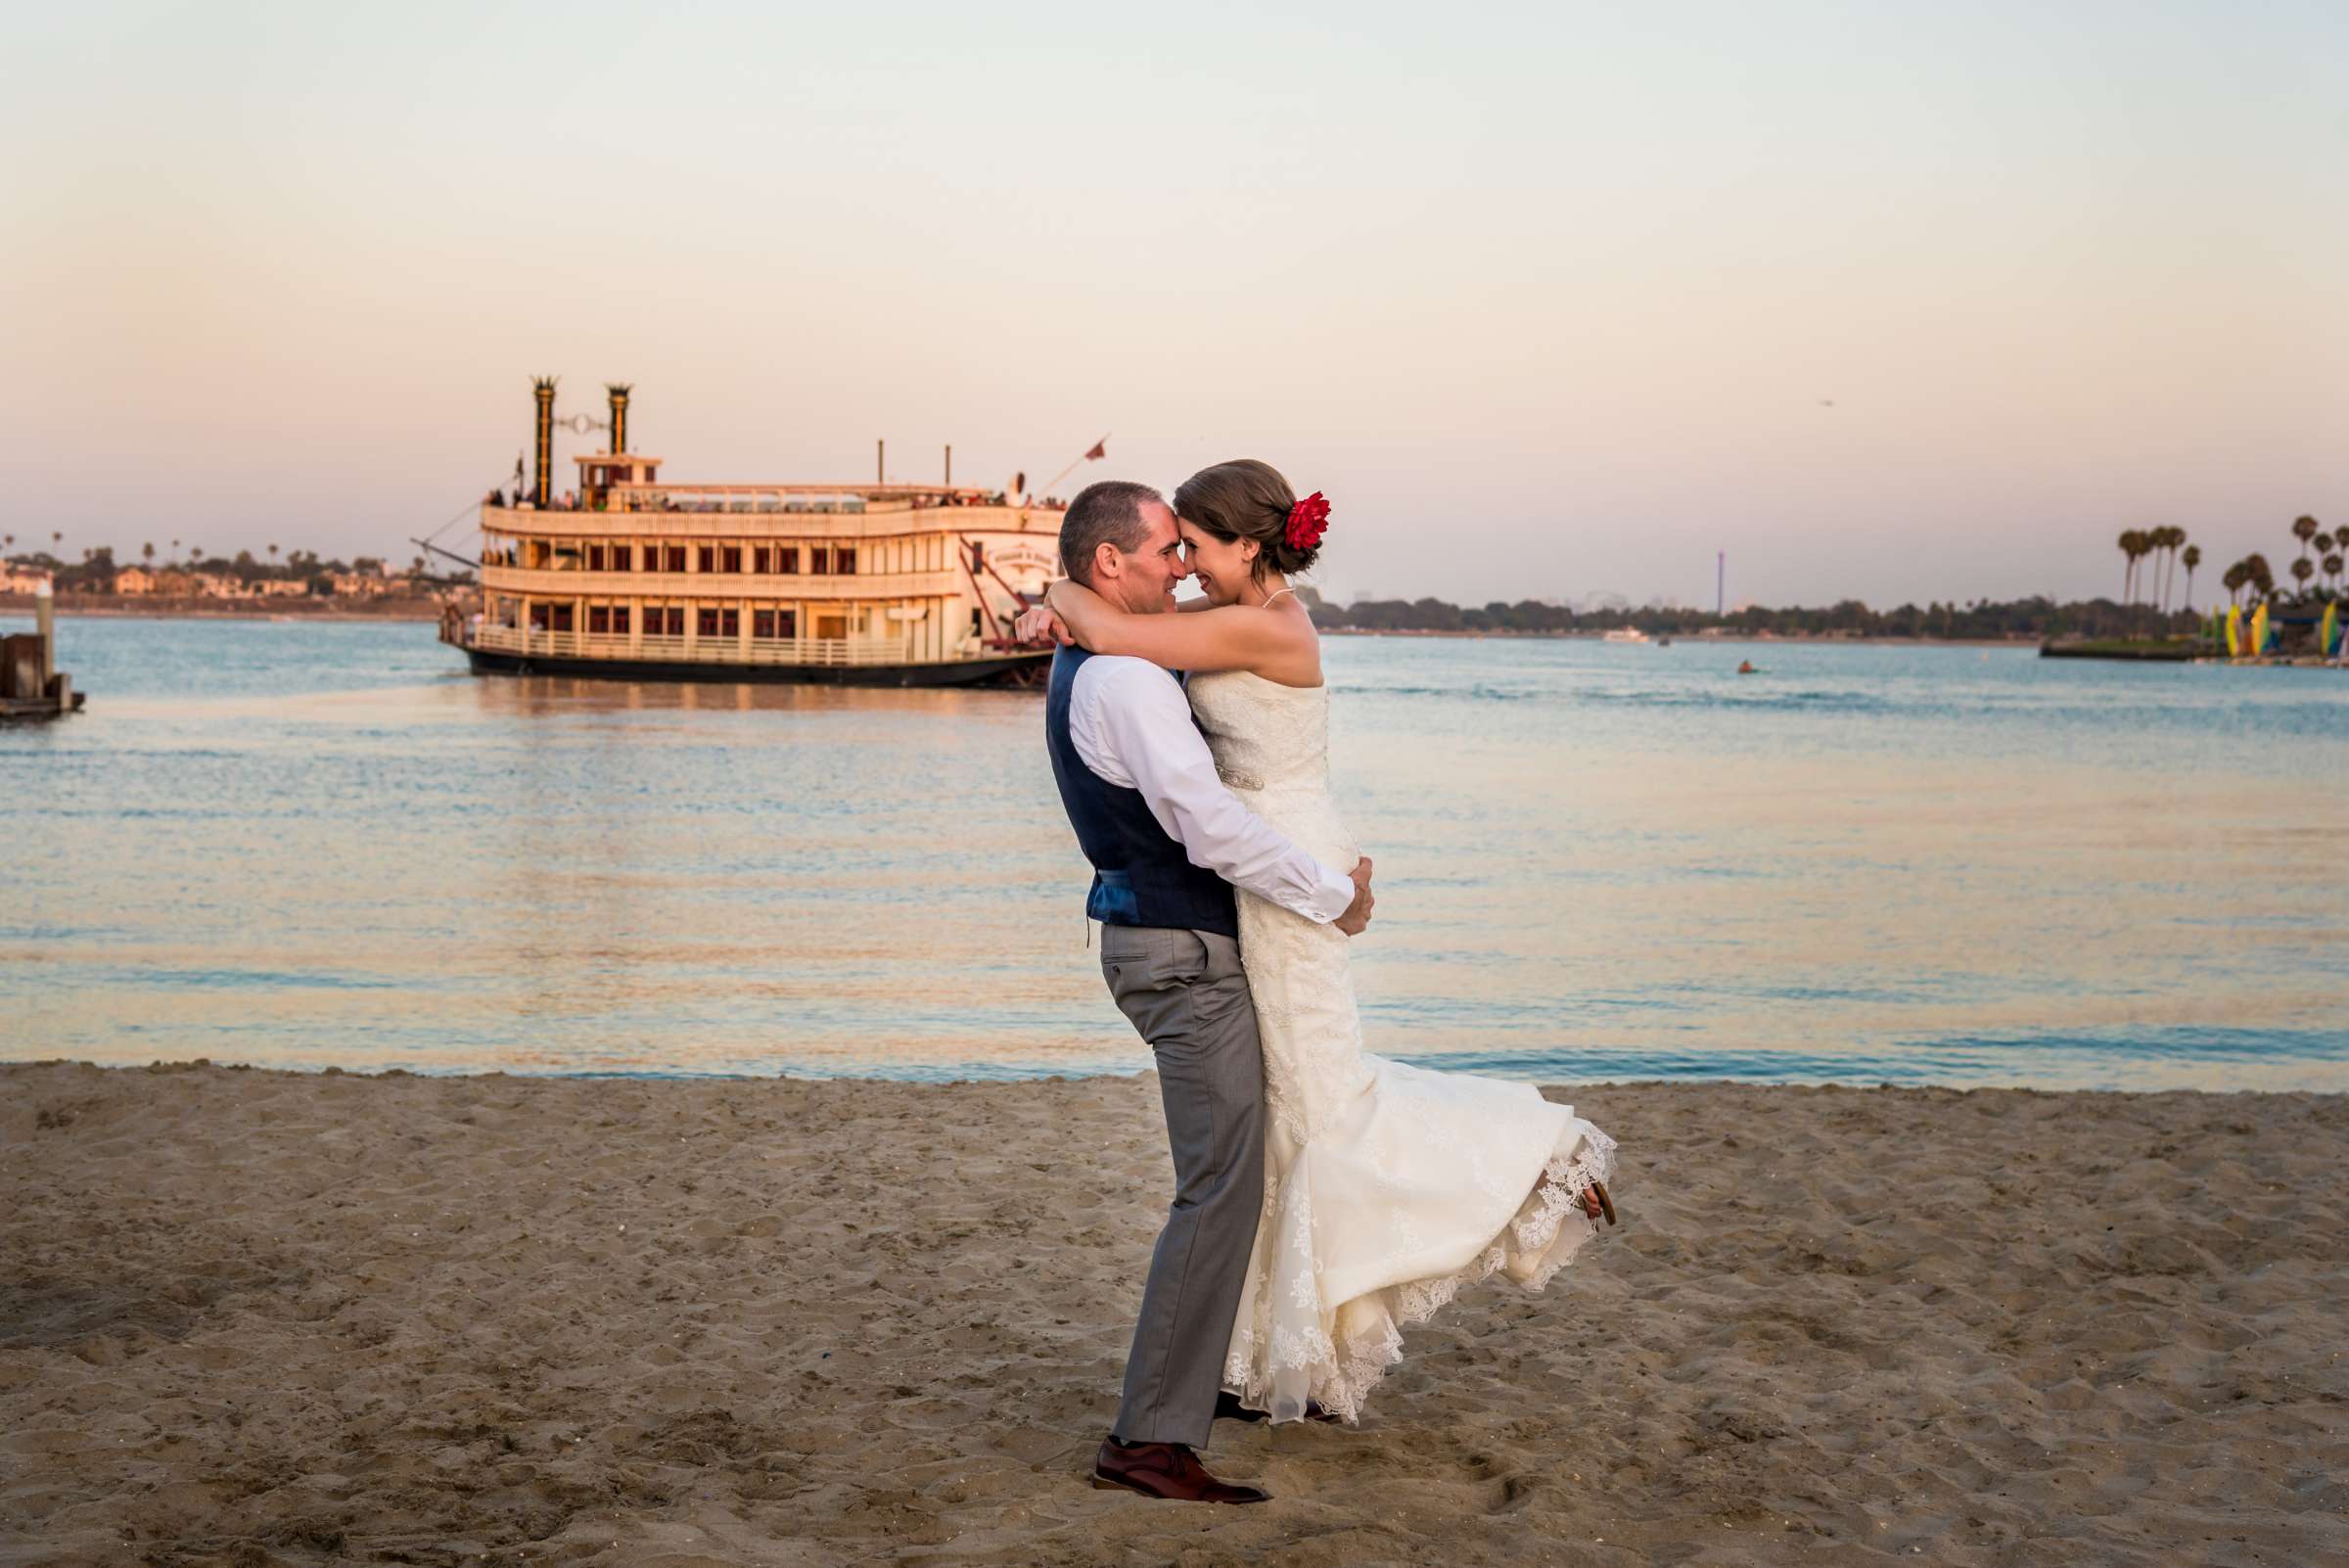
[44, 626]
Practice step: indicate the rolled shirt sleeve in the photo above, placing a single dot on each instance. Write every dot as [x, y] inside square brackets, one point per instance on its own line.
[1131, 725]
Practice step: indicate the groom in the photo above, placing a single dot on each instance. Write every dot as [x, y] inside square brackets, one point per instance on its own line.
[1169, 843]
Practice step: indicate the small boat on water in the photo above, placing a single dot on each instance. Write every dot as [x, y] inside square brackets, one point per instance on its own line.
[630, 577]
[1625, 634]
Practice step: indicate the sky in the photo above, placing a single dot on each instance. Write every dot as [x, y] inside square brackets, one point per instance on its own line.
[1894, 302]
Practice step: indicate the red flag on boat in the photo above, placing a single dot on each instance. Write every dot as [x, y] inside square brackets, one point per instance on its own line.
[1100, 449]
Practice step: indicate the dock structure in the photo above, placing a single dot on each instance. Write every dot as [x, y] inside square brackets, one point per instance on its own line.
[31, 686]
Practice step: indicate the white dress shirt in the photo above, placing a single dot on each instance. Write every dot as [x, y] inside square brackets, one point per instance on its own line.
[1131, 725]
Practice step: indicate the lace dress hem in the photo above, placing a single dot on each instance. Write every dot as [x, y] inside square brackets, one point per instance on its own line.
[1339, 1368]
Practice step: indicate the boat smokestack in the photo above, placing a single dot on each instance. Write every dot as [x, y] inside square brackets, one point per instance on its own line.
[542, 486]
[618, 391]
[949, 465]
[880, 462]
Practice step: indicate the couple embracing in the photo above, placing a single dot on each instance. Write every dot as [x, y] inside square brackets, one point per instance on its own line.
[1325, 1198]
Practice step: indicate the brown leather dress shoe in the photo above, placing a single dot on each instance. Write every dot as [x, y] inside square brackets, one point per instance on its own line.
[1230, 1409]
[1169, 1470]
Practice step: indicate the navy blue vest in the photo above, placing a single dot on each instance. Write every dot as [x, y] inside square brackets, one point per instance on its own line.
[1140, 876]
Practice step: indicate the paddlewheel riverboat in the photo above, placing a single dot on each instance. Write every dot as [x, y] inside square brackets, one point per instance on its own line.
[628, 578]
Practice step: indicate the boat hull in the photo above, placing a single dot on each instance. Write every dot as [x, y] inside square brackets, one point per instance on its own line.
[1008, 670]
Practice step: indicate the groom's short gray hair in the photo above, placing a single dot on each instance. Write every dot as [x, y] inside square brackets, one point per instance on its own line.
[1107, 513]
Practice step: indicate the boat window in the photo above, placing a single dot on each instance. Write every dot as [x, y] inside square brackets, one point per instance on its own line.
[819, 559]
[730, 558]
[843, 561]
[676, 560]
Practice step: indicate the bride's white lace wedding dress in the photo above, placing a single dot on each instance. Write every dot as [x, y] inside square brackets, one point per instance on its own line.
[1387, 1188]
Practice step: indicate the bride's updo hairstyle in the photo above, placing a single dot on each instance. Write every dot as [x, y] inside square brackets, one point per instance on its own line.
[1245, 499]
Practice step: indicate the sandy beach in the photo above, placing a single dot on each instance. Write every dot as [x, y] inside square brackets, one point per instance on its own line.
[255, 1318]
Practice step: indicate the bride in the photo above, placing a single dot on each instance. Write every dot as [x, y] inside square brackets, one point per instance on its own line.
[1387, 1187]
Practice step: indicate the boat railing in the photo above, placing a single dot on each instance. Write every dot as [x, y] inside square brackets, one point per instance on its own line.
[535, 642]
[725, 498]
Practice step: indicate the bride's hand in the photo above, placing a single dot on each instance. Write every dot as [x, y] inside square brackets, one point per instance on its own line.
[1038, 623]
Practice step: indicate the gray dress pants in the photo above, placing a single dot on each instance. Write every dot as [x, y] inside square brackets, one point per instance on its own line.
[1184, 992]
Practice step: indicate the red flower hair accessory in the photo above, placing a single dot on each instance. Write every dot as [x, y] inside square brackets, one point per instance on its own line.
[1308, 519]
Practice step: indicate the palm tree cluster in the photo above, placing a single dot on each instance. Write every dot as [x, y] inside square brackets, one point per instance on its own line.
[2320, 554]
[2138, 543]
[2253, 573]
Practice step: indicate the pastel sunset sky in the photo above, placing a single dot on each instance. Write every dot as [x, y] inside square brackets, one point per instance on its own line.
[1888, 300]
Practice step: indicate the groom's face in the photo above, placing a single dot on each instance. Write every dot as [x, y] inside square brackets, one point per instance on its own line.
[1147, 578]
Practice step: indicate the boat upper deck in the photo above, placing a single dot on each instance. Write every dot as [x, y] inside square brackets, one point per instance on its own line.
[775, 511]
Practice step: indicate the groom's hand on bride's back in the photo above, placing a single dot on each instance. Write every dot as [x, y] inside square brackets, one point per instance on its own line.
[1357, 914]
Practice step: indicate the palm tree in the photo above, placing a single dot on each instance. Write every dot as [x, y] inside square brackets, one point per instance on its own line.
[2304, 529]
[2303, 569]
[2132, 545]
[2332, 570]
[148, 551]
[58, 538]
[2233, 579]
[2193, 559]
[2260, 575]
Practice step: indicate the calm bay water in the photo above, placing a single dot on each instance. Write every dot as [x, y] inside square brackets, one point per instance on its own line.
[302, 845]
